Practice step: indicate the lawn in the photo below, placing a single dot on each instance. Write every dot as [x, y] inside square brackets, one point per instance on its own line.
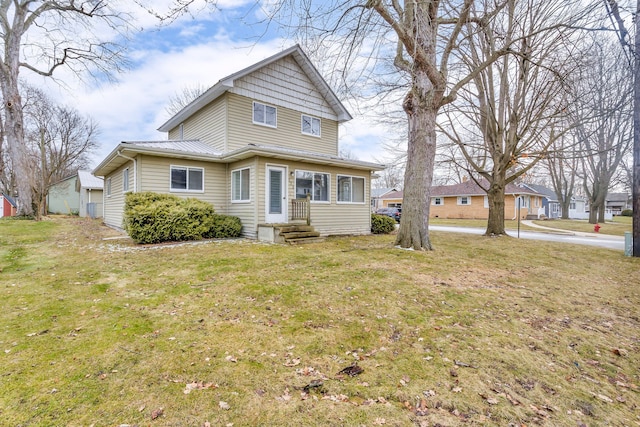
[617, 227]
[481, 331]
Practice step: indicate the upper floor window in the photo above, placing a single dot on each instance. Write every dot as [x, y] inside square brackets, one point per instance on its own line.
[187, 179]
[310, 125]
[437, 201]
[240, 184]
[125, 180]
[350, 189]
[464, 200]
[313, 183]
[265, 114]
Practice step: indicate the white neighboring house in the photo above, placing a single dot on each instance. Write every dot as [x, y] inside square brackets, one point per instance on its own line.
[579, 209]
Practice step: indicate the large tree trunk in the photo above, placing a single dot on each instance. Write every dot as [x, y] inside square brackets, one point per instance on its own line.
[565, 205]
[14, 132]
[495, 196]
[421, 109]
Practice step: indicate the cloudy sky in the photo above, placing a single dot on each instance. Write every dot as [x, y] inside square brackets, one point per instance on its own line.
[194, 50]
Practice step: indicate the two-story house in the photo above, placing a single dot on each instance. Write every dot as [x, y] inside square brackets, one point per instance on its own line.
[250, 145]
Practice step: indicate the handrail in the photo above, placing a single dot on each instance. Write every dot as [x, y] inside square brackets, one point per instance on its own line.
[301, 209]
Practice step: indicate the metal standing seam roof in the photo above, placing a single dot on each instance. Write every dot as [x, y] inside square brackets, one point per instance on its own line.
[188, 146]
[88, 180]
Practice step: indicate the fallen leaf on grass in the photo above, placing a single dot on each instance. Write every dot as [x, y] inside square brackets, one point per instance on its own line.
[157, 413]
[457, 389]
[198, 386]
[224, 405]
[421, 408]
[292, 362]
[231, 359]
[351, 370]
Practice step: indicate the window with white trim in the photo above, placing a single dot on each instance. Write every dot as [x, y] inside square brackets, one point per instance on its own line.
[187, 179]
[350, 189]
[437, 201]
[310, 125]
[315, 184]
[125, 180]
[265, 114]
[464, 200]
[108, 185]
[486, 202]
[240, 185]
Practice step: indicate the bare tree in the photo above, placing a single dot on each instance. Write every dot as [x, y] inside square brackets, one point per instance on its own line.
[59, 141]
[42, 36]
[507, 115]
[602, 110]
[563, 161]
[184, 97]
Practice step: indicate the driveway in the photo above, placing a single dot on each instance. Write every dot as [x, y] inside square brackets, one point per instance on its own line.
[549, 235]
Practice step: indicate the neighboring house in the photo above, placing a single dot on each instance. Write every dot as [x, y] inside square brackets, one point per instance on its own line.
[550, 205]
[63, 197]
[469, 201]
[392, 199]
[617, 202]
[90, 189]
[377, 196]
[8, 206]
[79, 194]
[578, 208]
[255, 145]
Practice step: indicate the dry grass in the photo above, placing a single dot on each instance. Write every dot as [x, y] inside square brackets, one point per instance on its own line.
[105, 333]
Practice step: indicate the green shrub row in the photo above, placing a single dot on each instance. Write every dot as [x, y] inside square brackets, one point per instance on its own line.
[153, 218]
[382, 224]
[627, 212]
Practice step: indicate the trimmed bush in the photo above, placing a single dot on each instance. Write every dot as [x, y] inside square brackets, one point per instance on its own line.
[627, 212]
[382, 224]
[153, 218]
[225, 226]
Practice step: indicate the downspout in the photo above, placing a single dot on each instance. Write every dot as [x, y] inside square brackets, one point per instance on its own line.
[135, 169]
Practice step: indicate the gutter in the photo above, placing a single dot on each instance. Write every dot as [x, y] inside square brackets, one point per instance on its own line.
[135, 169]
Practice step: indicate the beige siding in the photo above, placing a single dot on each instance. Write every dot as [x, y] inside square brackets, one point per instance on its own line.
[114, 203]
[208, 125]
[246, 211]
[329, 218]
[284, 84]
[242, 130]
[156, 177]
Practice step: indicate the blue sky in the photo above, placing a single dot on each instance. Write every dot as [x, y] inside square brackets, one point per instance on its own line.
[191, 51]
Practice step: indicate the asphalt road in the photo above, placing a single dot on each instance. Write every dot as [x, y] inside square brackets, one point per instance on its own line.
[600, 240]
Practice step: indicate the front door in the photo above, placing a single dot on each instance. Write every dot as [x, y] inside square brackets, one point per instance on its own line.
[276, 197]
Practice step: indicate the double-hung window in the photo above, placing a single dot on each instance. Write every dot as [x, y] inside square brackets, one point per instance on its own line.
[464, 200]
[437, 201]
[108, 187]
[315, 184]
[350, 189]
[265, 114]
[187, 179]
[240, 185]
[125, 180]
[310, 125]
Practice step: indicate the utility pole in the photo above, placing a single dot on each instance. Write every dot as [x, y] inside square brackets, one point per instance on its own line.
[636, 135]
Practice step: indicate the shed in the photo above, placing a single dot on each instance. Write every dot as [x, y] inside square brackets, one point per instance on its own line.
[8, 206]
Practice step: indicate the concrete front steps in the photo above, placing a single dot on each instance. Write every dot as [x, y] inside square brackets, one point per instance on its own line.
[294, 234]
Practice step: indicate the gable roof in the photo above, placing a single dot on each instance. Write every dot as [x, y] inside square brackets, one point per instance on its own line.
[87, 180]
[380, 192]
[227, 83]
[10, 200]
[394, 195]
[196, 150]
[541, 189]
[470, 188]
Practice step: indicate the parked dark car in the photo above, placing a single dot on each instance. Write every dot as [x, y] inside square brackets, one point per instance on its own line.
[394, 213]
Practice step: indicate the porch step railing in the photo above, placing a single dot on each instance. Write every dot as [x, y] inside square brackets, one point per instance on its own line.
[301, 209]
